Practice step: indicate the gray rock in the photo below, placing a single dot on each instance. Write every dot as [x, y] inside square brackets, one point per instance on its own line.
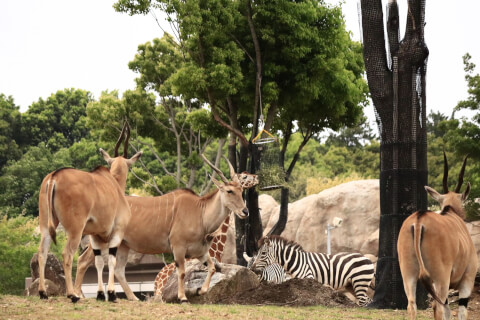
[52, 289]
[53, 272]
[227, 281]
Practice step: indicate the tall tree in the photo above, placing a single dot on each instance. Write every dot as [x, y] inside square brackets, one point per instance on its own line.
[397, 85]
[20, 181]
[292, 62]
[58, 121]
[10, 126]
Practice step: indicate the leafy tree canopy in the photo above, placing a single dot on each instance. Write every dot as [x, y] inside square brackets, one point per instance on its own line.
[58, 121]
[10, 124]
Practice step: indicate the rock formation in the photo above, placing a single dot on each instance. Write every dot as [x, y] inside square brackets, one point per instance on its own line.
[227, 281]
[54, 276]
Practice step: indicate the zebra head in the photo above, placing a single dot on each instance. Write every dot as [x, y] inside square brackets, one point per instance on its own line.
[265, 256]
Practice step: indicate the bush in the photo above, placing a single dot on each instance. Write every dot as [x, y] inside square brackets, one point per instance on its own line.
[18, 242]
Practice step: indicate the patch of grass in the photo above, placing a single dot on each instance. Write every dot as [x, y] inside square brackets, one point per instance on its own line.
[15, 307]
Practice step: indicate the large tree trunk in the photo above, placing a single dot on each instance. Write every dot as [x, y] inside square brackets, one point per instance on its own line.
[240, 223]
[397, 85]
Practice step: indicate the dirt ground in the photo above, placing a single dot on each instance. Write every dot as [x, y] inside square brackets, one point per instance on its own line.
[295, 299]
[295, 292]
[308, 292]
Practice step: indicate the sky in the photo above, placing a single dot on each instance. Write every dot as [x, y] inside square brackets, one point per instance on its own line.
[50, 45]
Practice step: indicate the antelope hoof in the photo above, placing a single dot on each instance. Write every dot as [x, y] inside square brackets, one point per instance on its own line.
[100, 296]
[112, 297]
[184, 301]
[74, 298]
[42, 295]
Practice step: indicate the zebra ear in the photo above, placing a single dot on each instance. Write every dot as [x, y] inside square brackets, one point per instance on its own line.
[266, 241]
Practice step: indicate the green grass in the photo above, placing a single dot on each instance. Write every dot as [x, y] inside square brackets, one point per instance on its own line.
[16, 307]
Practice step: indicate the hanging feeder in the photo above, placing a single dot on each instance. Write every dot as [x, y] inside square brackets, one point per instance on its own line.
[266, 150]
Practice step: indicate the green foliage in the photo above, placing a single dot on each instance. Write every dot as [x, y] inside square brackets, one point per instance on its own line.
[18, 242]
[17, 245]
[458, 137]
[325, 164]
[58, 121]
[21, 180]
[10, 124]
[316, 185]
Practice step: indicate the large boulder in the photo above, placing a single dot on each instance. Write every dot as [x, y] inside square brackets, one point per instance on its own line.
[54, 275]
[52, 289]
[227, 281]
[474, 229]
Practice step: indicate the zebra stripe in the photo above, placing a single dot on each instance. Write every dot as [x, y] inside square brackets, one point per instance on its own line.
[337, 271]
[273, 273]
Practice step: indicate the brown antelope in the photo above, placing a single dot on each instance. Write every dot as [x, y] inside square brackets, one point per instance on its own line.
[180, 222]
[437, 249]
[90, 203]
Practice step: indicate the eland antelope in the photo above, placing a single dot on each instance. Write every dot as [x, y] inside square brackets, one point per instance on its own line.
[179, 222]
[90, 203]
[437, 249]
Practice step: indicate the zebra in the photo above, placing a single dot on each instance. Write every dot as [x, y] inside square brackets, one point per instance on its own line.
[350, 271]
[273, 273]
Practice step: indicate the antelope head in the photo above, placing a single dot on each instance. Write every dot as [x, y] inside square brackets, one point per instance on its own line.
[230, 191]
[119, 165]
[454, 199]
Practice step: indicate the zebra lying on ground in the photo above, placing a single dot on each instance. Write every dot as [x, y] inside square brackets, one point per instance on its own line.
[350, 271]
[273, 273]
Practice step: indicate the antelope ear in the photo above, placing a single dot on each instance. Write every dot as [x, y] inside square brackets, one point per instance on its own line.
[134, 159]
[217, 183]
[106, 156]
[466, 192]
[434, 194]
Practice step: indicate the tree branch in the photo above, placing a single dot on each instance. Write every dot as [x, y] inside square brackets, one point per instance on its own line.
[154, 184]
[306, 138]
[207, 187]
[159, 160]
[258, 79]
[374, 53]
[217, 118]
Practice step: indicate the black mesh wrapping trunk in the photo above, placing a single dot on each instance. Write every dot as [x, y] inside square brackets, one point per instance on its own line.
[396, 76]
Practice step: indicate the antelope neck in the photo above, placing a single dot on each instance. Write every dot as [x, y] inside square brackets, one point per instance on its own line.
[214, 213]
[120, 177]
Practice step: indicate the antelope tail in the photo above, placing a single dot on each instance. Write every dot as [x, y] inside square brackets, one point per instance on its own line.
[424, 275]
[50, 196]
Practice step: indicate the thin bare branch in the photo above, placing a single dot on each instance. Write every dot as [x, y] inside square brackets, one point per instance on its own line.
[154, 185]
[150, 147]
[207, 187]
[242, 47]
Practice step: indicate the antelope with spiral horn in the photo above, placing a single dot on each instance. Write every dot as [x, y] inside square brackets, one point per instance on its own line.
[437, 249]
[91, 203]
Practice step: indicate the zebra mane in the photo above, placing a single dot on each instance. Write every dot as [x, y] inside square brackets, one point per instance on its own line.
[282, 240]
